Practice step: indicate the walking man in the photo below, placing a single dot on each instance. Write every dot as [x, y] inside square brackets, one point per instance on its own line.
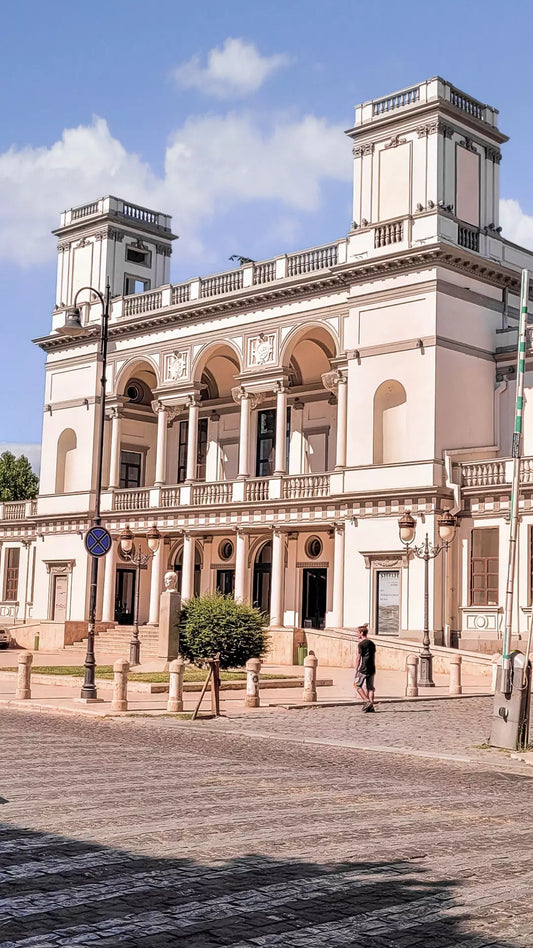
[365, 669]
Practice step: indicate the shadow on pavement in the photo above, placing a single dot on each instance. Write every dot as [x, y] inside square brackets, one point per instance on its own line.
[63, 892]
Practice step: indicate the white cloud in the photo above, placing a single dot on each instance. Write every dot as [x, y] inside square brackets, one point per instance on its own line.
[516, 225]
[212, 163]
[31, 451]
[236, 69]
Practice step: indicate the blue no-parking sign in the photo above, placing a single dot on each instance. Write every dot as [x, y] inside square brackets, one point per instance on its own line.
[98, 541]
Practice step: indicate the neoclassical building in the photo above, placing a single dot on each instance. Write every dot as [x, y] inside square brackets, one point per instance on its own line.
[276, 420]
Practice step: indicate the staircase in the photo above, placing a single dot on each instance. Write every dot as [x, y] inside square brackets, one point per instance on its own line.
[117, 640]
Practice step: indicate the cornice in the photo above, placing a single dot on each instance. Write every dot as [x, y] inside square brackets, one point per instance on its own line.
[342, 275]
[407, 120]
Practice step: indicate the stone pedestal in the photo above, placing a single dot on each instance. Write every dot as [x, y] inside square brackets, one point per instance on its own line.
[169, 625]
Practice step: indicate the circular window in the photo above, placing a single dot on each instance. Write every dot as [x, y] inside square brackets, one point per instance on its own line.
[137, 392]
[225, 550]
[313, 547]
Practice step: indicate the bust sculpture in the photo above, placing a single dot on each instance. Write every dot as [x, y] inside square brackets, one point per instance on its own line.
[170, 581]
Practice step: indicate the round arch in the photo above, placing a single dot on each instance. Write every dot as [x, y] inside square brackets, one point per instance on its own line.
[138, 368]
[65, 474]
[215, 369]
[308, 350]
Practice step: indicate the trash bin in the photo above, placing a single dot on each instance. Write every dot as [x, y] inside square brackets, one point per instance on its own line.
[302, 653]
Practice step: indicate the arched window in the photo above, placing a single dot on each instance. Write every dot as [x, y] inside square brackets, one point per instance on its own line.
[66, 446]
[390, 427]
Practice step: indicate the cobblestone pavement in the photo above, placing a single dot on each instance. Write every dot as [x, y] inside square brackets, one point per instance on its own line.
[148, 834]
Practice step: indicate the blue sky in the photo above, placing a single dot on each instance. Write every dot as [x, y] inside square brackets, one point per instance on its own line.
[230, 116]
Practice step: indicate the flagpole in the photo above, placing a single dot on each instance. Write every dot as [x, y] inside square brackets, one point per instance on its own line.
[514, 509]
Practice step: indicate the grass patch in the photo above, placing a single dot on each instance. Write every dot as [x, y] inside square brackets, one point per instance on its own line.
[106, 672]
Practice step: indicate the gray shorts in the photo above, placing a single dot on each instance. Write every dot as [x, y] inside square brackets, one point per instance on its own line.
[365, 681]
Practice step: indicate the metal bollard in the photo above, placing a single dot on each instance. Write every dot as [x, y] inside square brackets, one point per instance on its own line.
[175, 688]
[411, 690]
[253, 667]
[310, 667]
[23, 692]
[120, 687]
[495, 660]
[455, 675]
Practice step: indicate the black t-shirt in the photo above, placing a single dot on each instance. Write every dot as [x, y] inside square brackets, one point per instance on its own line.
[367, 651]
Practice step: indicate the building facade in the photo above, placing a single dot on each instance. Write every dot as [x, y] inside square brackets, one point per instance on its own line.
[276, 420]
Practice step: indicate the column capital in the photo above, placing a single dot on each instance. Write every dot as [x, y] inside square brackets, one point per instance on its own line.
[239, 394]
[339, 526]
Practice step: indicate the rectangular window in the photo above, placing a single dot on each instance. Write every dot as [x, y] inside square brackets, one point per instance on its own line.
[202, 449]
[182, 451]
[130, 469]
[266, 442]
[133, 284]
[484, 563]
[136, 255]
[11, 581]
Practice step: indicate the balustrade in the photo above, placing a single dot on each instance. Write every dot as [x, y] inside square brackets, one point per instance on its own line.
[484, 474]
[142, 303]
[264, 272]
[466, 104]
[131, 500]
[85, 211]
[221, 283]
[257, 489]
[170, 497]
[398, 101]
[15, 511]
[321, 258]
[526, 471]
[468, 237]
[219, 492]
[306, 485]
[181, 293]
[387, 234]
[139, 213]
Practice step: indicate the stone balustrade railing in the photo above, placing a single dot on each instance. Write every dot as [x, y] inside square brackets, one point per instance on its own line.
[221, 283]
[484, 474]
[466, 104]
[15, 510]
[264, 272]
[142, 303]
[398, 101]
[468, 237]
[217, 492]
[257, 489]
[131, 499]
[306, 485]
[387, 234]
[310, 260]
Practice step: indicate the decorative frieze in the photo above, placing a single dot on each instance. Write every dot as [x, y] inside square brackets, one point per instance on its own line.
[262, 349]
[469, 145]
[176, 366]
[395, 141]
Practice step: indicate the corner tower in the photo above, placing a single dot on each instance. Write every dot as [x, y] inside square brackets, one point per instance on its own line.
[112, 238]
[426, 167]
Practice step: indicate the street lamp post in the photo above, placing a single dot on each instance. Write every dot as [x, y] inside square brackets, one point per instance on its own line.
[73, 327]
[140, 560]
[447, 526]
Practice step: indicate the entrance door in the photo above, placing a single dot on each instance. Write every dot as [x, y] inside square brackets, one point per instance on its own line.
[315, 587]
[59, 599]
[388, 602]
[124, 596]
[262, 576]
[226, 581]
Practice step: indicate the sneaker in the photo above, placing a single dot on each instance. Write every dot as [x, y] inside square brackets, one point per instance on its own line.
[365, 705]
[369, 709]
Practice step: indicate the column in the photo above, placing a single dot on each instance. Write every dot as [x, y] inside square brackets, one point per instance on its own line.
[212, 463]
[244, 439]
[337, 612]
[342, 408]
[296, 449]
[114, 460]
[156, 583]
[187, 568]
[241, 564]
[108, 603]
[192, 440]
[161, 451]
[278, 569]
[281, 431]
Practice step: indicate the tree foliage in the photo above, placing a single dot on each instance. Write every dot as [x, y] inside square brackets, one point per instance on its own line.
[214, 623]
[17, 480]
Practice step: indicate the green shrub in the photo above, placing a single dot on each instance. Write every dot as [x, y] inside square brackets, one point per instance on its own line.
[215, 623]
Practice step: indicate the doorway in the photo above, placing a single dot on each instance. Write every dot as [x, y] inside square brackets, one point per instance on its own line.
[388, 602]
[315, 587]
[262, 578]
[124, 596]
[226, 581]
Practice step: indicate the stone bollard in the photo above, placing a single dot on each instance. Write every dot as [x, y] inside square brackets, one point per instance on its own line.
[175, 688]
[23, 692]
[411, 690]
[455, 675]
[253, 667]
[120, 687]
[310, 667]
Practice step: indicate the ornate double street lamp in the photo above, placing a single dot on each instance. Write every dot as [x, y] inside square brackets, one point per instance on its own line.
[97, 539]
[447, 526]
[140, 560]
